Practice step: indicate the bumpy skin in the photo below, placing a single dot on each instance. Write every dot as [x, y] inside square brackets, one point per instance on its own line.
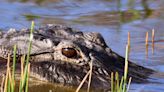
[49, 63]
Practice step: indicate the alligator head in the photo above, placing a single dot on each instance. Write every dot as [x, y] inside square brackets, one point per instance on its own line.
[61, 54]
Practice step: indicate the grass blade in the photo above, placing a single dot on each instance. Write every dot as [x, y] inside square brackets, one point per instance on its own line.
[9, 87]
[90, 76]
[117, 81]
[82, 82]
[26, 90]
[2, 83]
[30, 43]
[25, 75]
[130, 79]
[13, 70]
[112, 82]
[7, 73]
[126, 68]
[121, 84]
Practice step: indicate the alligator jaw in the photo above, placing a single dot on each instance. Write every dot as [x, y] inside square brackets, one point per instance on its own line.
[67, 74]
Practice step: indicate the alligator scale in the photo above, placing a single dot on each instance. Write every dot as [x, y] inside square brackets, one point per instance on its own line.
[62, 55]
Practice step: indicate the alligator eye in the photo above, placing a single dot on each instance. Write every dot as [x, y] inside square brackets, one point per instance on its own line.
[69, 52]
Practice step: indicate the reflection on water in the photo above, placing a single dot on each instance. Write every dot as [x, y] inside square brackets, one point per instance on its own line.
[112, 18]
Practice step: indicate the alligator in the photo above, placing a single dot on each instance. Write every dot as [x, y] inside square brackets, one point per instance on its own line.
[61, 54]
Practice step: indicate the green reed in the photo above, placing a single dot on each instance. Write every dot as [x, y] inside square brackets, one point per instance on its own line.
[122, 85]
[13, 71]
[9, 84]
[24, 80]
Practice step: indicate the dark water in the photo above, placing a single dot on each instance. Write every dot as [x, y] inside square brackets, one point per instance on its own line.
[112, 18]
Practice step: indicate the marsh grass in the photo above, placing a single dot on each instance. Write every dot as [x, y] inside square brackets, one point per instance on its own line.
[89, 74]
[9, 81]
[2, 83]
[82, 82]
[153, 37]
[146, 44]
[24, 79]
[123, 84]
[117, 85]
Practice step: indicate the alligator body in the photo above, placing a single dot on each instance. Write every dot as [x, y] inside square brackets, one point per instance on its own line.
[62, 55]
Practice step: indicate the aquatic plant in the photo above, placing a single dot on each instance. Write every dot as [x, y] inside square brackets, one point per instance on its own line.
[9, 84]
[122, 85]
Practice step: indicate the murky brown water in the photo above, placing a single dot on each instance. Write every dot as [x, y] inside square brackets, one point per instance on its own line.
[112, 18]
